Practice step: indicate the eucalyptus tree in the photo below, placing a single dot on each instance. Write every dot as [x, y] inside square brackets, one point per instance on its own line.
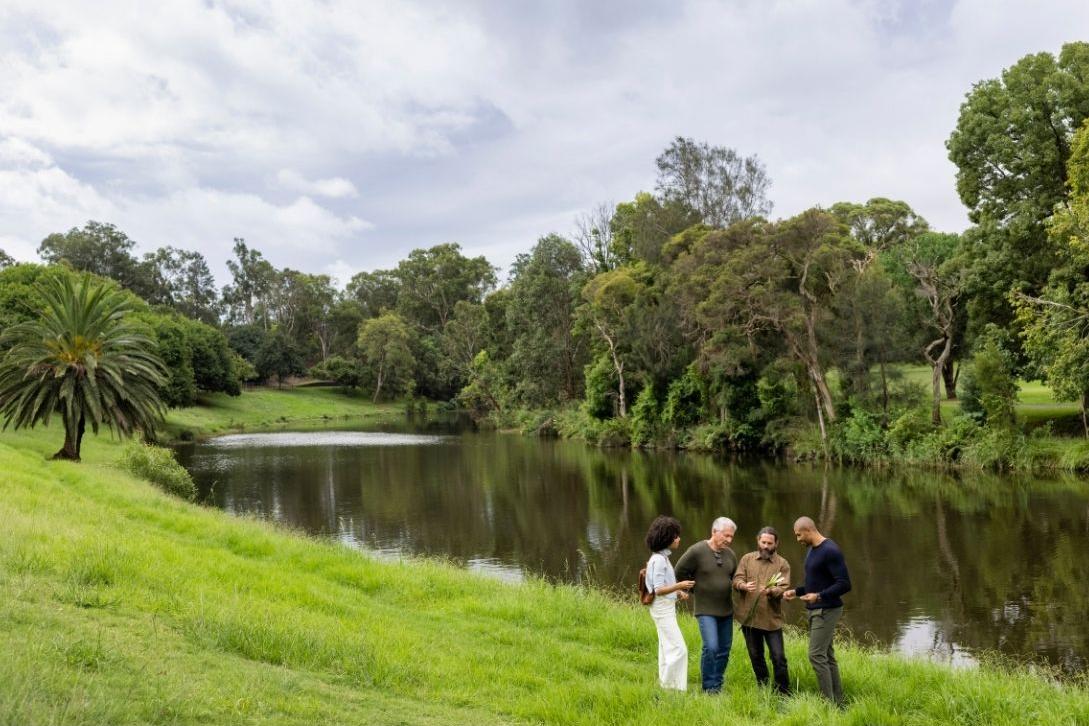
[937, 273]
[98, 248]
[384, 344]
[786, 278]
[716, 182]
[547, 351]
[83, 360]
[182, 280]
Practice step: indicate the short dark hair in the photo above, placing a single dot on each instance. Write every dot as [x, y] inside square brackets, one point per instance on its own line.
[768, 530]
[663, 530]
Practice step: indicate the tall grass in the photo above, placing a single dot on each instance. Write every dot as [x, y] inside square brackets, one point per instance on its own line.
[123, 605]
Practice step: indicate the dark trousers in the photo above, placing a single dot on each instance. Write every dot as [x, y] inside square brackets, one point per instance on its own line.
[754, 641]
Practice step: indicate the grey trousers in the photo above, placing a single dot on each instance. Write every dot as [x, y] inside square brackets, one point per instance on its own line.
[822, 626]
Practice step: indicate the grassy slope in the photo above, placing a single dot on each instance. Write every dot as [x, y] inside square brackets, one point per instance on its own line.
[263, 408]
[125, 606]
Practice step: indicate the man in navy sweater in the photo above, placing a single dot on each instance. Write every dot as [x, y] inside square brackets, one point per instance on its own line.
[826, 579]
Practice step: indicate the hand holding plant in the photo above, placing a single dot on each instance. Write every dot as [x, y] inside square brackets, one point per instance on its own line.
[775, 581]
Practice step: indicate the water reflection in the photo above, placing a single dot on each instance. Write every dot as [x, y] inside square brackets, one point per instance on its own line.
[945, 566]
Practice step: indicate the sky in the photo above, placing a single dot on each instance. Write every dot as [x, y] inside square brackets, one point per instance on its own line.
[337, 136]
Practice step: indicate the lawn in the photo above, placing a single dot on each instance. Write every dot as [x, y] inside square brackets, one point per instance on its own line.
[125, 606]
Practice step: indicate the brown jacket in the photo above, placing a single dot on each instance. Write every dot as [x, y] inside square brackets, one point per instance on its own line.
[769, 611]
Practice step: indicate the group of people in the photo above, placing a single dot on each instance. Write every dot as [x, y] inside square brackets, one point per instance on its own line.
[710, 573]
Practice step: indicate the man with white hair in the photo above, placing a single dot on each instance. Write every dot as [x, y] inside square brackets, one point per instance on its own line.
[711, 564]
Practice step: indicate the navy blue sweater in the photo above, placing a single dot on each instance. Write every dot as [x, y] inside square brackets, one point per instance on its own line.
[826, 574]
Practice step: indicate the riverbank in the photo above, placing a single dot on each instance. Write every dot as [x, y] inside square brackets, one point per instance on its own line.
[127, 606]
[268, 408]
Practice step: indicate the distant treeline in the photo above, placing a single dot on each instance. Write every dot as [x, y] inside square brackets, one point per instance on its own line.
[687, 315]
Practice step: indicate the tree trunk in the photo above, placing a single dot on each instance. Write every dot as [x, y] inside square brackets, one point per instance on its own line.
[949, 374]
[73, 441]
[936, 388]
[1084, 419]
[884, 394]
[824, 393]
[378, 388]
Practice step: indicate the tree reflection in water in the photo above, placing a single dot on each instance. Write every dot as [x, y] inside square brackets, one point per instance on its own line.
[944, 563]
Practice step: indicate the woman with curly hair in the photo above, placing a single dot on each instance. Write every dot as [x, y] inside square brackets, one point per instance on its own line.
[663, 537]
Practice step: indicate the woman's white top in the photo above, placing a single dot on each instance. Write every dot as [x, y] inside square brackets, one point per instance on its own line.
[660, 573]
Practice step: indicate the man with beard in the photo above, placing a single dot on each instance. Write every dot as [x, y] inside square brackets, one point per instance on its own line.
[762, 607]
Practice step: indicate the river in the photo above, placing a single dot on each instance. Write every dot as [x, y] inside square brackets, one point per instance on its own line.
[947, 566]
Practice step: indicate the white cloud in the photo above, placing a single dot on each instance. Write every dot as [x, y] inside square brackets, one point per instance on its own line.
[336, 187]
[486, 123]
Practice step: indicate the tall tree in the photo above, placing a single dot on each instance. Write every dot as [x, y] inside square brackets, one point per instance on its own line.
[547, 353]
[182, 280]
[83, 360]
[937, 275]
[101, 249]
[786, 278]
[246, 298]
[719, 184]
[374, 292]
[1011, 146]
[641, 228]
[594, 237]
[610, 301]
[384, 343]
[1055, 323]
[432, 281]
[6, 260]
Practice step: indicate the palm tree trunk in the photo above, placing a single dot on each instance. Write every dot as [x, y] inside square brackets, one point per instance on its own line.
[73, 441]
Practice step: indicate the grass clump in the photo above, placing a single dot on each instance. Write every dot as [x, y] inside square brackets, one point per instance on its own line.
[158, 466]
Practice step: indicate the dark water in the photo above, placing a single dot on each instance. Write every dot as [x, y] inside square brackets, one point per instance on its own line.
[947, 566]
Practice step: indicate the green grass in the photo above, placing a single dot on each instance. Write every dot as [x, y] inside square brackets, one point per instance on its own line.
[264, 408]
[122, 605]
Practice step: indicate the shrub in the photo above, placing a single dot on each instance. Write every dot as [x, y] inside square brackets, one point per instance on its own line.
[158, 466]
[645, 423]
[910, 426]
[988, 390]
[859, 438]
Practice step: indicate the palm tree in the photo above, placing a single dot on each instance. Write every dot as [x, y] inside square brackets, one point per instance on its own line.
[83, 361]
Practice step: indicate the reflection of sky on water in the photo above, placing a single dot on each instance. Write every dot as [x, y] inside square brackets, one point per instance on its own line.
[324, 438]
[921, 636]
[939, 563]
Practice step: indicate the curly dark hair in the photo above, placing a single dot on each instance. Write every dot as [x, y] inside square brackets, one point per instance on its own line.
[663, 530]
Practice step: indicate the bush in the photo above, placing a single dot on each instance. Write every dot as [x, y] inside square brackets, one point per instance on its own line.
[988, 390]
[158, 466]
[910, 426]
[645, 424]
[339, 370]
[859, 438]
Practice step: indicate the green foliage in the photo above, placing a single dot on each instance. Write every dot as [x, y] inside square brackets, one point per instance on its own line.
[339, 370]
[487, 392]
[387, 356]
[1011, 146]
[988, 391]
[6, 260]
[101, 249]
[645, 419]
[158, 466]
[859, 438]
[911, 425]
[84, 360]
[547, 352]
[719, 185]
[279, 356]
[600, 376]
[685, 403]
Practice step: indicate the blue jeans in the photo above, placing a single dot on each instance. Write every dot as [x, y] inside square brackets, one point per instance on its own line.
[717, 634]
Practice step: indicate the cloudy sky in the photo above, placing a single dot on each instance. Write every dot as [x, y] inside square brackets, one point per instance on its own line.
[336, 136]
